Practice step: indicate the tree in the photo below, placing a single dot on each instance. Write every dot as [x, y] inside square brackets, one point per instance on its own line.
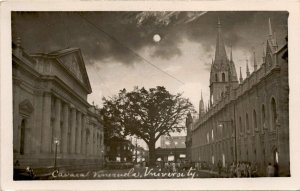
[146, 114]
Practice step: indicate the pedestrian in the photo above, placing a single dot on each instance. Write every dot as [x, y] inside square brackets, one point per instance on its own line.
[238, 170]
[219, 167]
[270, 170]
[173, 167]
[276, 169]
[249, 169]
[232, 170]
[254, 170]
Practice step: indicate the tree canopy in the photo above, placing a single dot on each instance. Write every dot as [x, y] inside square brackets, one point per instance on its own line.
[147, 114]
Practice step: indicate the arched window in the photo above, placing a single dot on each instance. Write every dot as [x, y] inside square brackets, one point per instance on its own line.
[223, 77]
[241, 125]
[263, 116]
[274, 113]
[247, 123]
[232, 128]
[22, 137]
[216, 77]
[254, 120]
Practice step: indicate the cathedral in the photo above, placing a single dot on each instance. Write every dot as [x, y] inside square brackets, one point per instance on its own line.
[247, 119]
[53, 124]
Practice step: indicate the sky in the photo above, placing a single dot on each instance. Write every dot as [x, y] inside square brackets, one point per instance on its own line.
[120, 51]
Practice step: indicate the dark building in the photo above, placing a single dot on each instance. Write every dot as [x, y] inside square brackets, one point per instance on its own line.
[246, 120]
[118, 150]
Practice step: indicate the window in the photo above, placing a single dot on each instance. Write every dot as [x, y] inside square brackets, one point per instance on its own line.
[216, 77]
[240, 123]
[274, 114]
[263, 116]
[254, 120]
[223, 77]
[247, 123]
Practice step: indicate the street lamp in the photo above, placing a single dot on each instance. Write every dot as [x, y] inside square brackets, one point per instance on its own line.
[56, 142]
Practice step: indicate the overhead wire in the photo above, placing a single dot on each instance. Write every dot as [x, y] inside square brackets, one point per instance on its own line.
[128, 48]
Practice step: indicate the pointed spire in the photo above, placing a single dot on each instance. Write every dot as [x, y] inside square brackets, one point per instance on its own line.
[247, 69]
[254, 61]
[270, 28]
[241, 77]
[220, 54]
[201, 107]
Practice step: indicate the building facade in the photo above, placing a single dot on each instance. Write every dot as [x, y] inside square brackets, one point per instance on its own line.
[50, 110]
[246, 120]
[119, 150]
[167, 142]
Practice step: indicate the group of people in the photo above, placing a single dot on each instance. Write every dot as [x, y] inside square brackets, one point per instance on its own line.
[246, 169]
[243, 169]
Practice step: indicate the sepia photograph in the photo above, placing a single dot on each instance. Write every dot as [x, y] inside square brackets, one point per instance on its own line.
[150, 94]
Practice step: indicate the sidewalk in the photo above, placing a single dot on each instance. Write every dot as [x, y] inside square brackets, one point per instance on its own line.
[215, 174]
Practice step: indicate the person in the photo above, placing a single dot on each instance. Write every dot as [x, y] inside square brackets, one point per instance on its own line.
[232, 170]
[238, 170]
[219, 167]
[173, 167]
[249, 169]
[254, 170]
[30, 172]
[276, 169]
[270, 170]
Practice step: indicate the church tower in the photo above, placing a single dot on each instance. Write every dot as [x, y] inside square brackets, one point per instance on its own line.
[201, 107]
[223, 74]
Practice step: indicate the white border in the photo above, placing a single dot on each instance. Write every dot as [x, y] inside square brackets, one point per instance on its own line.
[292, 183]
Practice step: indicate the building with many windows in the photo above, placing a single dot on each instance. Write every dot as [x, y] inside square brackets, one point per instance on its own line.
[50, 110]
[246, 120]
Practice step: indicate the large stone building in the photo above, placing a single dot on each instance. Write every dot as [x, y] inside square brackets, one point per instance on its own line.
[51, 112]
[246, 120]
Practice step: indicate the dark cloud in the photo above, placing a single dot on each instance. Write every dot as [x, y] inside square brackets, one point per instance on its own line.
[50, 31]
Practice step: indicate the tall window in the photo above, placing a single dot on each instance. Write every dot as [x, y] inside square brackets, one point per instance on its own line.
[274, 113]
[263, 116]
[216, 77]
[247, 123]
[254, 120]
[223, 77]
[241, 125]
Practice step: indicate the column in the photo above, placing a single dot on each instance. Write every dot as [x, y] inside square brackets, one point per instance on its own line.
[64, 139]
[78, 133]
[46, 129]
[16, 116]
[92, 140]
[73, 128]
[83, 135]
[57, 134]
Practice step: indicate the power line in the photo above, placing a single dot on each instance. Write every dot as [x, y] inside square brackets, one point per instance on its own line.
[132, 51]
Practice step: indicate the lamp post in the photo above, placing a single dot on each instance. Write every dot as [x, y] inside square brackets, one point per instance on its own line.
[56, 142]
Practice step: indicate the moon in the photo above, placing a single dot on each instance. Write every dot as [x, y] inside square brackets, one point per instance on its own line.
[156, 38]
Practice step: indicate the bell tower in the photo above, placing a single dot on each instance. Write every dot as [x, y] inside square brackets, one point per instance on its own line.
[223, 74]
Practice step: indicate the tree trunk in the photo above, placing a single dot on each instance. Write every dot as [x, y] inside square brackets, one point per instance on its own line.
[152, 157]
